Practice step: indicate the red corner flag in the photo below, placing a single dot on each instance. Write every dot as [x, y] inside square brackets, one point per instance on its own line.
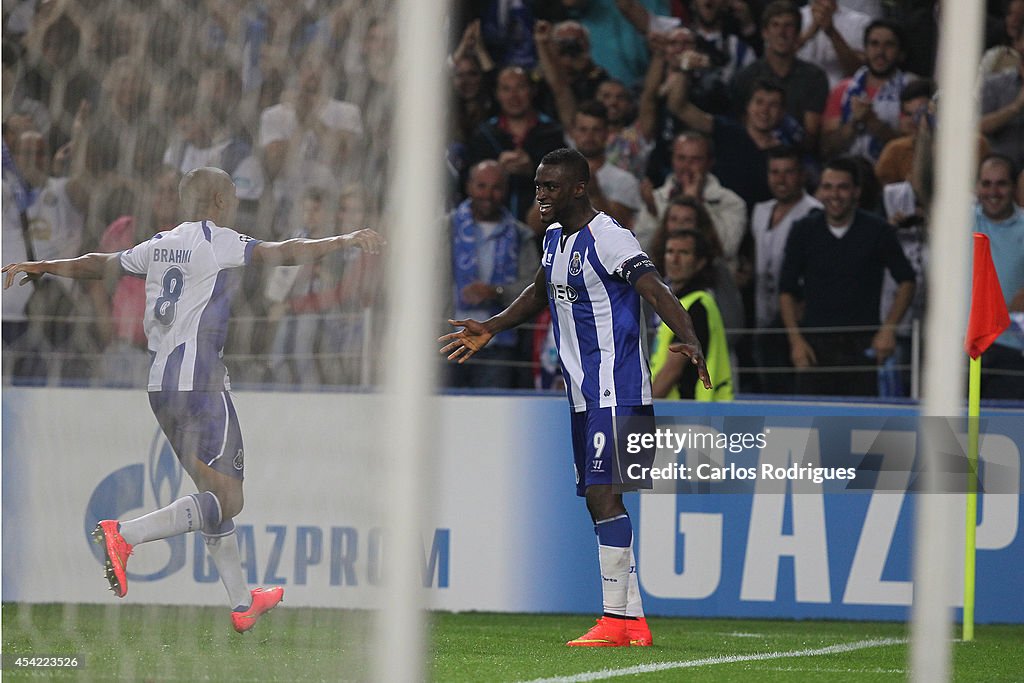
[989, 316]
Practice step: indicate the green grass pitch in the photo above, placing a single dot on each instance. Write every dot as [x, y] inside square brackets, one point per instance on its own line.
[157, 643]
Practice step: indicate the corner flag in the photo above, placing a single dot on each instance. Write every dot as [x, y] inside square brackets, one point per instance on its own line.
[989, 316]
[987, 321]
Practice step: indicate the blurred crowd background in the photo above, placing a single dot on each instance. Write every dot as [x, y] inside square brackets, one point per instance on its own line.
[719, 117]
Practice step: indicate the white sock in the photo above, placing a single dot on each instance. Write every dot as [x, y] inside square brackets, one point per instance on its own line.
[634, 605]
[614, 543]
[223, 549]
[180, 517]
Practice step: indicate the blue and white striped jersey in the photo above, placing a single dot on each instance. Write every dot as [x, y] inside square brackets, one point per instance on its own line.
[595, 313]
[189, 286]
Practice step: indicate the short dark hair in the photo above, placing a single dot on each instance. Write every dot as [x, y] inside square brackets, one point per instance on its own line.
[595, 109]
[897, 30]
[701, 243]
[784, 152]
[921, 87]
[570, 159]
[702, 249]
[1003, 159]
[777, 7]
[766, 85]
[846, 165]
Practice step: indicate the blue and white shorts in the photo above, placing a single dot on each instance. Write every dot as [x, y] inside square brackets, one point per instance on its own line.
[603, 450]
[202, 425]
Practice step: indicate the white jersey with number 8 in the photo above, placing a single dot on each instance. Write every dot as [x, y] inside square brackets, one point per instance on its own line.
[189, 288]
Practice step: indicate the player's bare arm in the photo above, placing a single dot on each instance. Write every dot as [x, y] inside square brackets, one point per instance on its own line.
[87, 267]
[658, 295]
[475, 335]
[297, 251]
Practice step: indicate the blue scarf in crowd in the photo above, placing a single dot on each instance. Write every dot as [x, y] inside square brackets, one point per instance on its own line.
[466, 243]
[886, 104]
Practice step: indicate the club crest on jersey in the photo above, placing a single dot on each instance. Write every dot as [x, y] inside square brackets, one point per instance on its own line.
[575, 264]
[238, 462]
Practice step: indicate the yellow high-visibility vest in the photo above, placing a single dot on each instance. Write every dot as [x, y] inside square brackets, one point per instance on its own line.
[716, 353]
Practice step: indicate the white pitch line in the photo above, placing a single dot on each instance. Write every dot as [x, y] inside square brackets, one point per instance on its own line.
[710, 661]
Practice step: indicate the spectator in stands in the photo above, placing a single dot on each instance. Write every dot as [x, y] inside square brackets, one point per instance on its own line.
[717, 30]
[564, 54]
[517, 138]
[616, 45]
[770, 223]
[740, 147]
[863, 111]
[209, 134]
[293, 359]
[472, 104]
[507, 30]
[15, 100]
[1002, 113]
[612, 190]
[834, 262]
[805, 85]
[896, 162]
[686, 213]
[691, 278]
[724, 31]
[692, 159]
[53, 228]
[124, 104]
[630, 129]
[907, 215]
[343, 344]
[52, 46]
[492, 259]
[374, 94]
[1008, 54]
[15, 316]
[472, 73]
[997, 216]
[119, 305]
[833, 38]
[305, 139]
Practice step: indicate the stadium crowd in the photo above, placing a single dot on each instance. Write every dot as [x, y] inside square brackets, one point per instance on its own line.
[743, 120]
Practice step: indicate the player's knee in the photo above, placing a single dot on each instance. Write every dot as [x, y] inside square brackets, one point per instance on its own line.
[231, 504]
[603, 502]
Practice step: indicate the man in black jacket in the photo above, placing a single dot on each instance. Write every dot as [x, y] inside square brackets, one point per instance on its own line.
[834, 262]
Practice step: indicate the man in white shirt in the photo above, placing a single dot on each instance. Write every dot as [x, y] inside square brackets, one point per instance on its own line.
[770, 224]
[833, 38]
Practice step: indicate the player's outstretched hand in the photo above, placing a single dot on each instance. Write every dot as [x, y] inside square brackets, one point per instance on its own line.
[366, 239]
[697, 358]
[11, 270]
[462, 344]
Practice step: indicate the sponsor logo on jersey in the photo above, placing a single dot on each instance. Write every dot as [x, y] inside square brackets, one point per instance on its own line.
[562, 292]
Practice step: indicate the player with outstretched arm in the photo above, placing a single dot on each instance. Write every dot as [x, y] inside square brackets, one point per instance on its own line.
[593, 275]
[189, 287]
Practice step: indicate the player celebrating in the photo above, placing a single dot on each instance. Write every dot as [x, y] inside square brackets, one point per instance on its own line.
[188, 299]
[593, 275]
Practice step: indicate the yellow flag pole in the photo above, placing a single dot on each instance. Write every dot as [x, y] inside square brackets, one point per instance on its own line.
[971, 523]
